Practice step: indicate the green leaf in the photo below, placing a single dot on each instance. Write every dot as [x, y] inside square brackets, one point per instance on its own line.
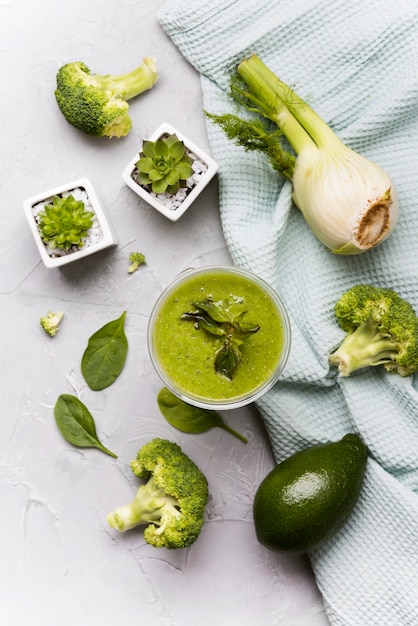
[228, 358]
[105, 355]
[216, 310]
[173, 189]
[145, 164]
[159, 186]
[202, 320]
[171, 139]
[247, 328]
[177, 150]
[156, 175]
[143, 179]
[224, 319]
[172, 177]
[191, 419]
[184, 170]
[148, 149]
[76, 423]
[161, 148]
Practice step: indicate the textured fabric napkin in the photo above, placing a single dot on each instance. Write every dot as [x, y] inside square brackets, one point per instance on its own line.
[356, 64]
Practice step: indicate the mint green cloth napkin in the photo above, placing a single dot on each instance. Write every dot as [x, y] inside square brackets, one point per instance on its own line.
[357, 65]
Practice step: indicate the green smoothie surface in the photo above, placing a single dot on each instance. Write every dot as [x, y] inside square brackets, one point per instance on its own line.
[186, 352]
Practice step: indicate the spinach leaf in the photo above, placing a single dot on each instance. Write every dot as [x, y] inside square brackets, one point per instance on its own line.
[105, 355]
[191, 419]
[76, 423]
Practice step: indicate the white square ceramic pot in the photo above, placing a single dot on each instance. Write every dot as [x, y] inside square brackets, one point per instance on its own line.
[101, 234]
[169, 205]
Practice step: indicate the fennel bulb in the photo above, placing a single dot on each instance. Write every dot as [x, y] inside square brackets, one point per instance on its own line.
[349, 202]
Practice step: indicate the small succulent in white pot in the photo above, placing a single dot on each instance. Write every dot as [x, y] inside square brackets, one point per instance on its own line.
[169, 172]
[164, 165]
[68, 223]
[64, 222]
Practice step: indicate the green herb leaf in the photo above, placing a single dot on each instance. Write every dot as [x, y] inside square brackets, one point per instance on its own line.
[202, 320]
[246, 328]
[191, 419]
[76, 423]
[224, 319]
[105, 355]
[215, 310]
[228, 358]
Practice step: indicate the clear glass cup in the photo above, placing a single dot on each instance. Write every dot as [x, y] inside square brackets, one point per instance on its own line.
[187, 391]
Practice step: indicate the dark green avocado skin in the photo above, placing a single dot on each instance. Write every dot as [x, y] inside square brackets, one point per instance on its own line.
[307, 497]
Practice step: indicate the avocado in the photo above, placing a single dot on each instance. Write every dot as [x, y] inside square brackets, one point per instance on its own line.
[307, 497]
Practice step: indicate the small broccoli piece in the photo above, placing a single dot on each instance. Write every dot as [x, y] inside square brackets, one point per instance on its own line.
[97, 104]
[50, 322]
[382, 329]
[171, 502]
[136, 259]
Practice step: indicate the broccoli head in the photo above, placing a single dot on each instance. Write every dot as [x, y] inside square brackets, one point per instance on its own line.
[97, 104]
[382, 329]
[171, 502]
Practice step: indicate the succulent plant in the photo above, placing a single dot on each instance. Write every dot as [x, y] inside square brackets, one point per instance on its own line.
[164, 165]
[64, 222]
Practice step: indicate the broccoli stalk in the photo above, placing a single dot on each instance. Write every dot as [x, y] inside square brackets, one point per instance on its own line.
[382, 329]
[97, 104]
[171, 502]
[150, 505]
[50, 322]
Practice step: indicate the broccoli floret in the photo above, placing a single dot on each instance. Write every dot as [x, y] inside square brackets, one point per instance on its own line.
[97, 104]
[382, 329]
[136, 259]
[50, 322]
[171, 502]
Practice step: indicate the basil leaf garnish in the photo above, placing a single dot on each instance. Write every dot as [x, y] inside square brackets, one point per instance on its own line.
[105, 355]
[223, 319]
[227, 358]
[246, 329]
[202, 320]
[191, 419]
[76, 423]
[215, 310]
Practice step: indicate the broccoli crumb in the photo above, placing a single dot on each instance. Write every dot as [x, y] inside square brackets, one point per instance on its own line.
[136, 259]
[51, 321]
